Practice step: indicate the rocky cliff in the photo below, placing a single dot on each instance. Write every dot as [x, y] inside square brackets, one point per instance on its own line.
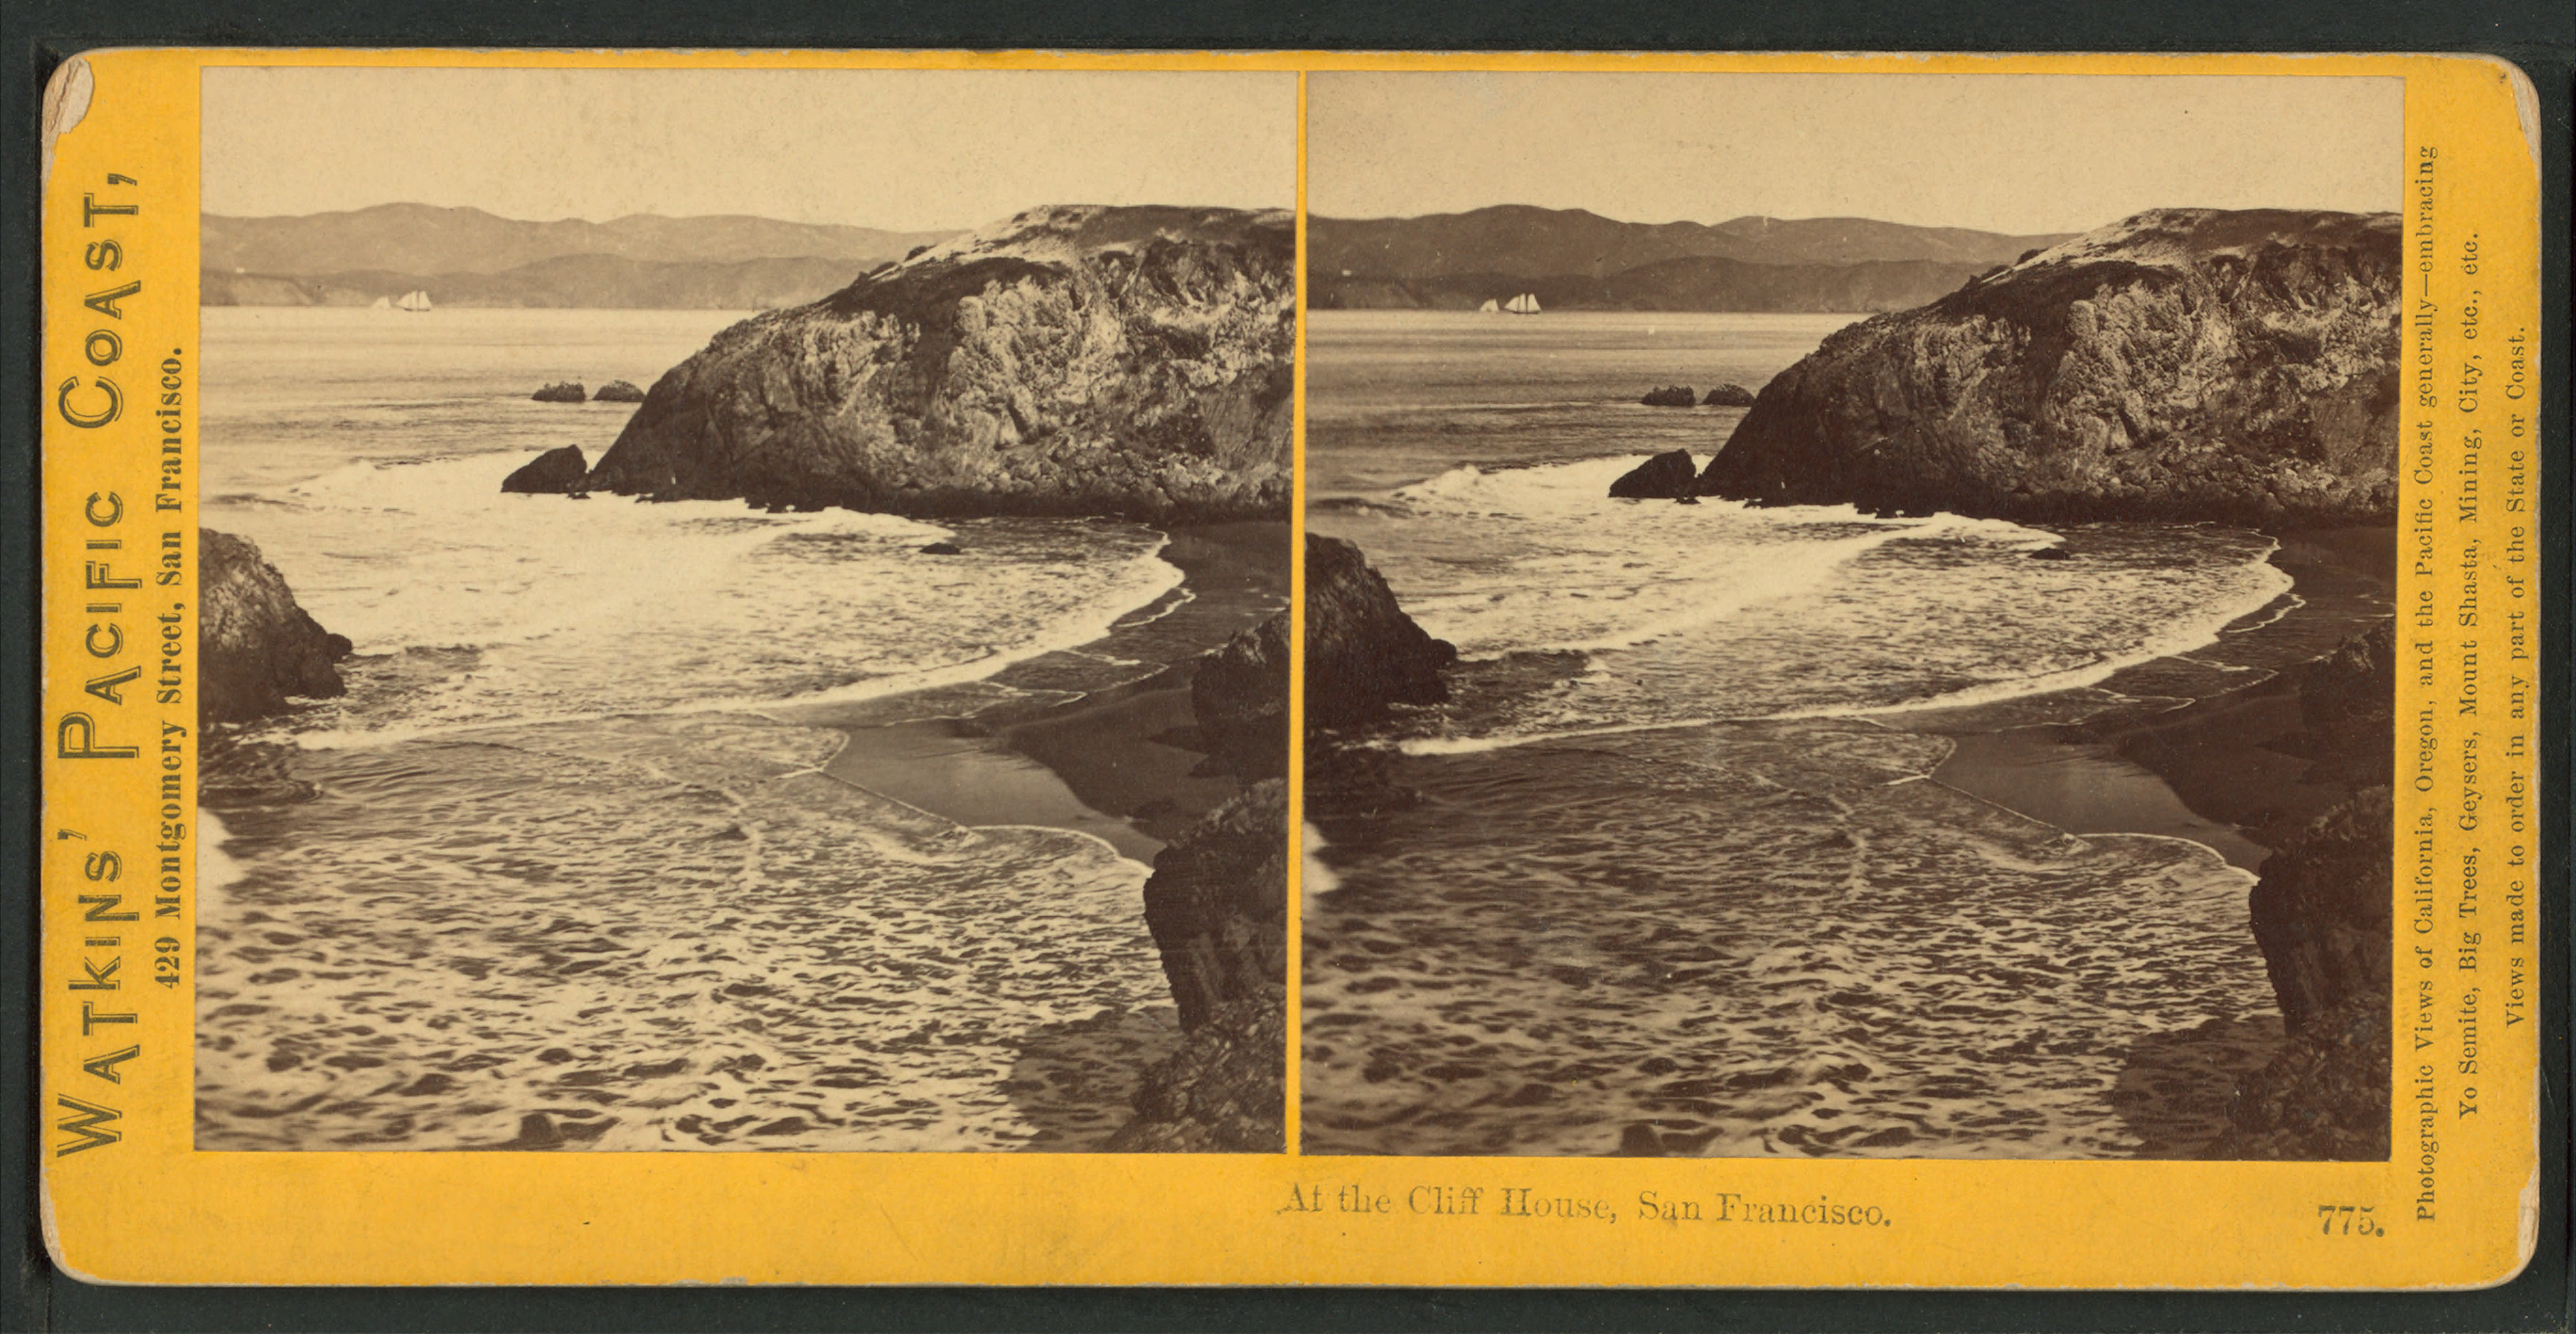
[2182, 363]
[2321, 913]
[1075, 360]
[255, 646]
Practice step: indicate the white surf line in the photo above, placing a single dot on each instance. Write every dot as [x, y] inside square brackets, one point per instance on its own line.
[990, 664]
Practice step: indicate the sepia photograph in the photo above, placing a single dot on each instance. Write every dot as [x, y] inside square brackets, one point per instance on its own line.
[745, 609]
[1850, 615]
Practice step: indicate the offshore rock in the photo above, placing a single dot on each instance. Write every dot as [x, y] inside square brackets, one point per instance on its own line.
[256, 647]
[562, 391]
[1670, 396]
[1666, 476]
[618, 391]
[552, 473]
[1075, 360]
[1728, 396]
[1363, 654]
[2192, 364]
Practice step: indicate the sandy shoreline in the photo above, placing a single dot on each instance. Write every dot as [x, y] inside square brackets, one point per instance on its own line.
[2223, 769]
[1117, 762]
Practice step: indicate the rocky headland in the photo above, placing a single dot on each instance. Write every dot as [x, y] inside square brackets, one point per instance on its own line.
[2192, 364]
[256, 647]
[1075, 360]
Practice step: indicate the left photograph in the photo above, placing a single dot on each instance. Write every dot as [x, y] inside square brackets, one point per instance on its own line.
[743, 609]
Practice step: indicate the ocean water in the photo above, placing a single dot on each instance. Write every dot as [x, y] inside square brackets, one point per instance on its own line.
[573, 873]
[1678, 878]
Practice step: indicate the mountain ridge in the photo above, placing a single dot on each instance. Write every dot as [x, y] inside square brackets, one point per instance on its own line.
[1528, 241]
[430, 239]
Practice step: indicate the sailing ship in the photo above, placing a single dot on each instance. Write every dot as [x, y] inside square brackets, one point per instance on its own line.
[1524, 304]
[383, 303]
[414, 300]
[1490, 307]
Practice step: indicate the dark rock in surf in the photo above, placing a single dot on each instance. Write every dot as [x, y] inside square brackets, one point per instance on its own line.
[562, 391]
[618, 391]
[1217, 905]
[1240, 697]
[1075, 360]
[555, 472]
[1728, 396]
[2187, 364]
[943, 549]
[1364, 656]
[256, 648]
[2348, 704]
[1685, 499]
[1666, 476]
[1670, 396]
[2051, 553]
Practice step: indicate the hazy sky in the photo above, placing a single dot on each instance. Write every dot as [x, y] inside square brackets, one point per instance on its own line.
[2010, 153]
[899, 149]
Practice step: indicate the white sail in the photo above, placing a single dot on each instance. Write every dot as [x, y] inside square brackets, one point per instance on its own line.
[1488, 308]
[383, 303]
[414, 300]
[1524, 304]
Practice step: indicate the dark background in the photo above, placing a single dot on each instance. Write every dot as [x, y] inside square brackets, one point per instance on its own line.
[35, 36]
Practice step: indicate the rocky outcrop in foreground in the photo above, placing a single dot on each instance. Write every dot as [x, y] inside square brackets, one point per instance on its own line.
[1217, 905]
[1218, 900]
[551, 473]
[255, 646]
[1075, 360]
[2193, 364]
[1666, 476]
[562, 391]
[2321, 914]
[1363, 654]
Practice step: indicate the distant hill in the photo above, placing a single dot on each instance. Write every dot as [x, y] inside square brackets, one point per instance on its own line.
[1701, 284]
[599, 282]
[424, 239]
[1521, 241]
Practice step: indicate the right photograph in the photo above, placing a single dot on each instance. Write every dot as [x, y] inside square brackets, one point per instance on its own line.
[1852, 614]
